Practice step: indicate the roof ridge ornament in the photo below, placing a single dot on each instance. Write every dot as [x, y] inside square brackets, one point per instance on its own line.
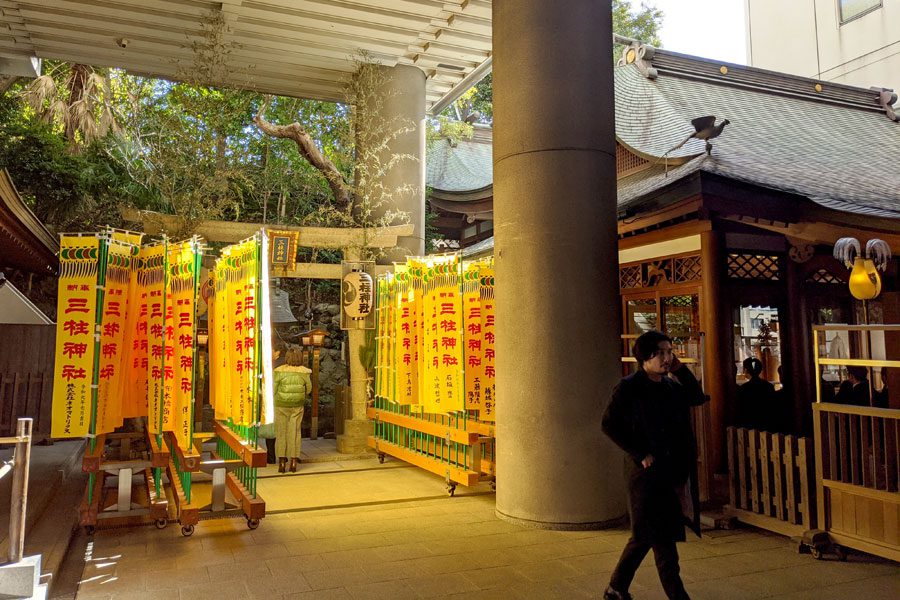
[887, 97]
[640, 55]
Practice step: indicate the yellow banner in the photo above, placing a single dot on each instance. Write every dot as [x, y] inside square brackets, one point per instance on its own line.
[488, 330]
[179, 390]
[110, 387]
[220, 374]
[75, 347]
[381, 336]
[474, 369]
[405, 338]
[134, 403]
[443, 341]
[240, 277]
[157, 306]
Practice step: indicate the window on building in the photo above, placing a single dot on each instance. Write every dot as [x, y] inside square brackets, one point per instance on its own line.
[850, 9]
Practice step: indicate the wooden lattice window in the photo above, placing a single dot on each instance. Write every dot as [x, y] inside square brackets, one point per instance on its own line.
[687, 268]
[630, 277]
[824, 276]
[628, 162]
[660, 271]
[754, 266]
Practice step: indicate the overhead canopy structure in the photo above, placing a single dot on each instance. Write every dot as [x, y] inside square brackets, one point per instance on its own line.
[303, 48]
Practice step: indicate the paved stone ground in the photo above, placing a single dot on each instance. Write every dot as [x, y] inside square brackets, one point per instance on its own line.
[444, 548]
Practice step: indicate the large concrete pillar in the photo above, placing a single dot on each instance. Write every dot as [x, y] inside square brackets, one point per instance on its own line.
[558, 306]
[398, 102]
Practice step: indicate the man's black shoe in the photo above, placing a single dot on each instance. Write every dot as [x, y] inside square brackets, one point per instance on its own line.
[611, 594]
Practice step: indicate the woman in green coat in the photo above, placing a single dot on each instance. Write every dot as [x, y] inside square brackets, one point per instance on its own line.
[291, 387]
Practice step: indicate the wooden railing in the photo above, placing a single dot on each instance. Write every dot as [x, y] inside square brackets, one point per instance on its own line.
[857, 449]
[26, 395]
[456, 445]
[858, 473]
[771, 480]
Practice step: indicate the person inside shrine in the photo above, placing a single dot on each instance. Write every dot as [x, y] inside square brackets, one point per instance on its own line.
[291, 386]
[855, 390]
[756, 407]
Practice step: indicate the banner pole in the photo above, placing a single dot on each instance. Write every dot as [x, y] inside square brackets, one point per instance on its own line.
[98, 322]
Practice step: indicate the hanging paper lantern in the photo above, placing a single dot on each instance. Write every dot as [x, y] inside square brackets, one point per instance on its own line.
[356, 294]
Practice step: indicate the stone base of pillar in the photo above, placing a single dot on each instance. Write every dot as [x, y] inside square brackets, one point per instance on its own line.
[353, 440]
[617, 522]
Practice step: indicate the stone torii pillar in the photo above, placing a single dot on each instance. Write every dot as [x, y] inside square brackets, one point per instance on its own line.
[556, 260]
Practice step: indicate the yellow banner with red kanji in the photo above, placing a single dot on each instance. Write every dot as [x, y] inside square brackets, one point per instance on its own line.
[111, 374]
[472, 351]
[75, 346]
[443, 388]
[405, 338]
[486, 291]
[182, 293]
[137, 362]
[236, 390]
[157, 362]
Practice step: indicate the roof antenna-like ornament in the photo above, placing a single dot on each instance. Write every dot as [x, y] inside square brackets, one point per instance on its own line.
[887, 98]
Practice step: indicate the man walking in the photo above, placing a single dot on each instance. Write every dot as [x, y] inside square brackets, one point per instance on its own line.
[649, 418]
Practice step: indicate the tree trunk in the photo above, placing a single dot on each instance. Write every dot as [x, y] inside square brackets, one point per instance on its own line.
[76, 83]
[308, 149]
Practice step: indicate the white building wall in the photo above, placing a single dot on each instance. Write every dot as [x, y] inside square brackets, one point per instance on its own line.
[806, 37]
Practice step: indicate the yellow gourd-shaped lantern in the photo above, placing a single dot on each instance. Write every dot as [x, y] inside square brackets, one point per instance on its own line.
[865, 284]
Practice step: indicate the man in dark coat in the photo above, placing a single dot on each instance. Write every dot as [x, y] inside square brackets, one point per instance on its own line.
[649, 418]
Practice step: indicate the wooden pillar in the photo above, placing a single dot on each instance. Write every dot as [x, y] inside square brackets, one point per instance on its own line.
[715, 321]
[800, 370]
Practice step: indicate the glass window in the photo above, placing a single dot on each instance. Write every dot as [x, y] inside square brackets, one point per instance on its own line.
[756, 335]
[850, 9]
[641, 315]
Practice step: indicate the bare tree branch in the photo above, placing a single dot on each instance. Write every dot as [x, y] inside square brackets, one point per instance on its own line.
[309, 151]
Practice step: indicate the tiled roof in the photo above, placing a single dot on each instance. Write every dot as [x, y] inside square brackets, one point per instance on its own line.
[462, 167]
[831, 143]
[834, 152]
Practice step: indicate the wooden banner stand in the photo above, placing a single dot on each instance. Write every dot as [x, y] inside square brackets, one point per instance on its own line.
[126, 503]
[459, 448]
[226, 473]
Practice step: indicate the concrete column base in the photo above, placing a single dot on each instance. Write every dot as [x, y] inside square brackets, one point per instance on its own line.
[587, 526]
[353, 440]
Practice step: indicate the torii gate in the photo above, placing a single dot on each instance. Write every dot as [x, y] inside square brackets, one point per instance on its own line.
[349, 240]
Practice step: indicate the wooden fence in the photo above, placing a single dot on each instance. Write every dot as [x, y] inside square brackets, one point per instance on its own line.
[771, 480]
[26, 395]
[858, 473]
[26, 377]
